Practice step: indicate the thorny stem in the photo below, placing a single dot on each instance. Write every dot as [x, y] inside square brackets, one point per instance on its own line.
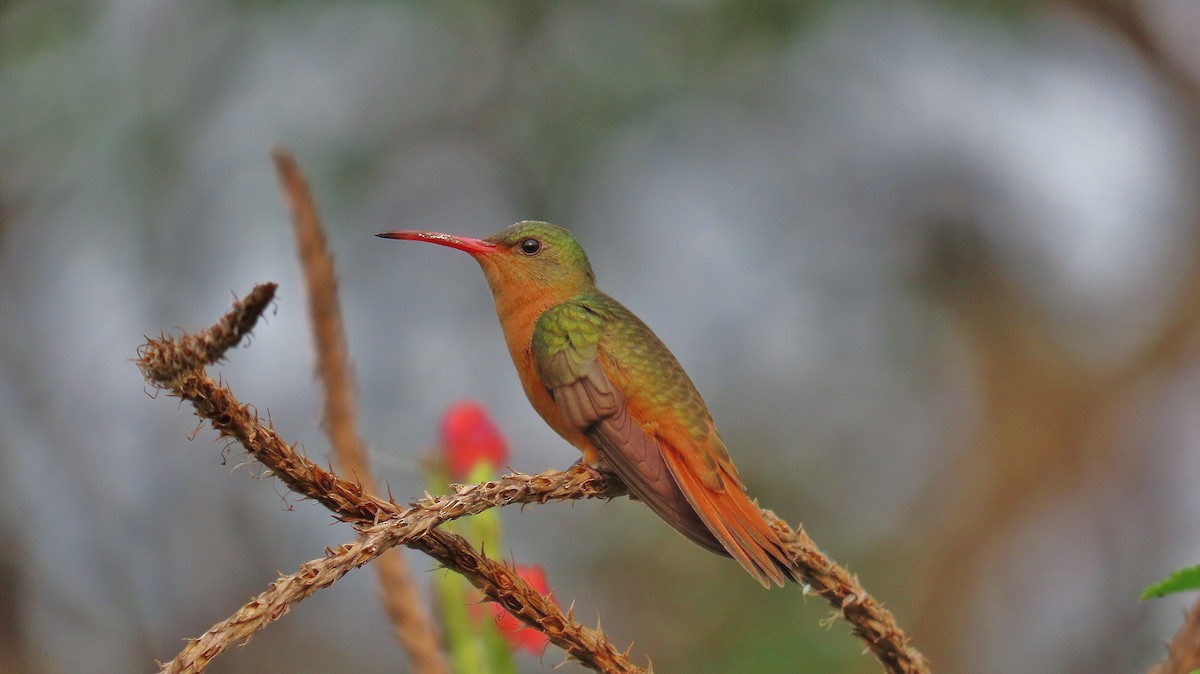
[401, 599]
[1183, 653]
[176, 364]
[417, 528]
[869, 620]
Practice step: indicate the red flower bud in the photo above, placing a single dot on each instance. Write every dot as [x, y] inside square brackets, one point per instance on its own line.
[470, 437]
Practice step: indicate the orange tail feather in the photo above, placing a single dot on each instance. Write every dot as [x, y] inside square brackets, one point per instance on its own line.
[736, 522]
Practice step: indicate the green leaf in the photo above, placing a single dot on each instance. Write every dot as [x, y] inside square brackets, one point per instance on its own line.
[1180, 580]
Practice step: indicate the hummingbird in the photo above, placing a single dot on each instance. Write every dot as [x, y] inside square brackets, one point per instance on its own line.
[606, 383]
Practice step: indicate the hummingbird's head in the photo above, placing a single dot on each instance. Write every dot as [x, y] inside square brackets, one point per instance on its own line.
[526, 257]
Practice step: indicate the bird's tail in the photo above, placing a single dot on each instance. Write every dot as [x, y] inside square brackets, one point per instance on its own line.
[735, 522]
[720, 517]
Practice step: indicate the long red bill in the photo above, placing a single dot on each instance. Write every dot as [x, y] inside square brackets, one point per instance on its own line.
[472, 246]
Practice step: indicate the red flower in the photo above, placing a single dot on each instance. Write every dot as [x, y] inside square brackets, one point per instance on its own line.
[470, 437]
[514, 631]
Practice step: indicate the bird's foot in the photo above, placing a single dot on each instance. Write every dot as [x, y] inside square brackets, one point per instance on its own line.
[595, 472]
[591, 471]
[598, 473]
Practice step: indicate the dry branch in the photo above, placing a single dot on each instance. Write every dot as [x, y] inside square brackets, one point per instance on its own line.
[164, 363]
[869, 620]
[498, 581]
[416, 526]
[273, 603]
[401, 599]
[177, 365]
[504, 585]
[325, 319]
[166, 360]
[1183, 653]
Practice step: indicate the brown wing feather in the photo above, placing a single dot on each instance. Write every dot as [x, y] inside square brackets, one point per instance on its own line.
[686, 480]
[593, 405]
[725, 522]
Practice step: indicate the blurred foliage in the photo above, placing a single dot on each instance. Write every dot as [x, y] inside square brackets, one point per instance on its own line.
[1180, 580]
[989, 9]
[28, 27]
[885, 237]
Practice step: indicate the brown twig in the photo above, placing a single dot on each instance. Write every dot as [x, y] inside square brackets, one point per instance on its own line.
[381, 523]
[176, 364]
[232, 419]
[869, 620]
[166, 360]
[401, 598]
[502, 584]
[498, 581]
[1183, 653]
[325, 318]
[274, 602]
[416, 526]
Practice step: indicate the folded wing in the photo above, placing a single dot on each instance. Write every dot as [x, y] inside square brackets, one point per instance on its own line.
[694, 489]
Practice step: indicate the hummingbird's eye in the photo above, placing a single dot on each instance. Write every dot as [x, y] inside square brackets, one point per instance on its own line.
[530, 246]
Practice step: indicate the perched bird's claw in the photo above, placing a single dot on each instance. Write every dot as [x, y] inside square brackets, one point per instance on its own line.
[600, 474]
[591, 470]
[596, 473]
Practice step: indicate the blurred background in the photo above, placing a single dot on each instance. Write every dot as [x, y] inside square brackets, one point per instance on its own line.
[935, 267]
